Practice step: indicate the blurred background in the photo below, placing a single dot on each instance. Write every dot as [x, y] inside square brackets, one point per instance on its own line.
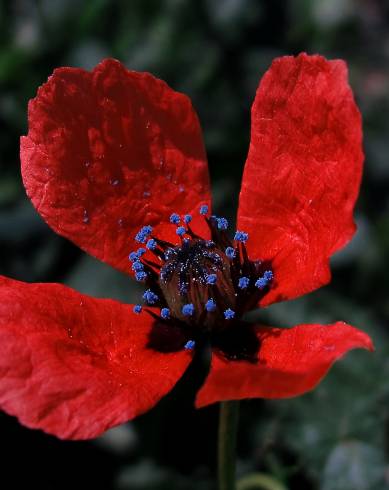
[335, 438]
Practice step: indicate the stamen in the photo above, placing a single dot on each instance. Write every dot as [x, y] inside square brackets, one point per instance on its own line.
[140, 252]
[181, 231]
[230, 252]
[211, 278]
[263, 281]
[137, 266]
[140, 276]
[137, 309]
[190, 345]
[165, 313]
[268, 275]
[151, 244]
[203, 209]
[229, 314]
[150, 297]
[143, 233]
[133, 256]
[174, 218]
[210, 305]
[243, 282]
[222, 223]
[188, 309]
[241, 236]
[187, 218]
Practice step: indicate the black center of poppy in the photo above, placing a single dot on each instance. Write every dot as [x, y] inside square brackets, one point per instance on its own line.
[202, 287]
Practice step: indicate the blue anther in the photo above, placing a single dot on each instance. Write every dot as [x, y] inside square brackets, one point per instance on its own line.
[133, 256]
[243, 282]
[190, 345]
[222, 223]
[174, 218]
[150, 297]
[140, 252]
[188, 309]
[137, 266]
[263, 281]
[151, 244]
[230, 252]
[229, 314]
[210, 305]
[187, 218]
[211, 278]
[268, 275]
[241, 236]
[165, 313]
[143, 233]
[137, 309]
[203, 209]
[181, 231]
[141, 276]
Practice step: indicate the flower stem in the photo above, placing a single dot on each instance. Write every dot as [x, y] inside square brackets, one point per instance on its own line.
[228, 428]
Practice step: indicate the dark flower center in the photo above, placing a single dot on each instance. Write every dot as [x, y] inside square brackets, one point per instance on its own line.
[203, 287]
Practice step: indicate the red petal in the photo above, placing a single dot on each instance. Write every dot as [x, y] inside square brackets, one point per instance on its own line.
[302, 173]
[108, 152]
[290, 362]
[75, 366]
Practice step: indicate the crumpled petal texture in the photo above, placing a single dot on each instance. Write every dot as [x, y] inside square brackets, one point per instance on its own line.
[109, 151]
[75, 366]
[302, 173]
[290, 362]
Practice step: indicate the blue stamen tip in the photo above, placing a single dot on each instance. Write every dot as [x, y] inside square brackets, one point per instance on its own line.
[229, 314]
[243, 282]
[140, 252]
[268, 275]
[187, 218]
[241, 236]
[151, 244]
[263, 281]
[211, 278]
[180, 231]
[188, 310]
[222, 223]
[137, 266]
[210, 305]
[133, 256]
[190, 345]
[150, 297]
[174, 218]
[203, 209]
[230, 252]
[140, 276]
[143, 233]
[137, 309]
[165, 313]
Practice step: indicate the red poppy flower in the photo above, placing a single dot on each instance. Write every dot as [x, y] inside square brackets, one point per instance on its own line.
[114, 161]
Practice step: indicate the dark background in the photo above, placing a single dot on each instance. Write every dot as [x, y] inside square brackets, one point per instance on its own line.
[335, 438]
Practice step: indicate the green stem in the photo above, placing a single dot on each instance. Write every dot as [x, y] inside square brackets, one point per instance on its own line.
[228, 428]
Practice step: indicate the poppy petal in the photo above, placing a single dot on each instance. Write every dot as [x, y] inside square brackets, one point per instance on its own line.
[110, 151]
[302, 173]
[290, 362]
[74, 366]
